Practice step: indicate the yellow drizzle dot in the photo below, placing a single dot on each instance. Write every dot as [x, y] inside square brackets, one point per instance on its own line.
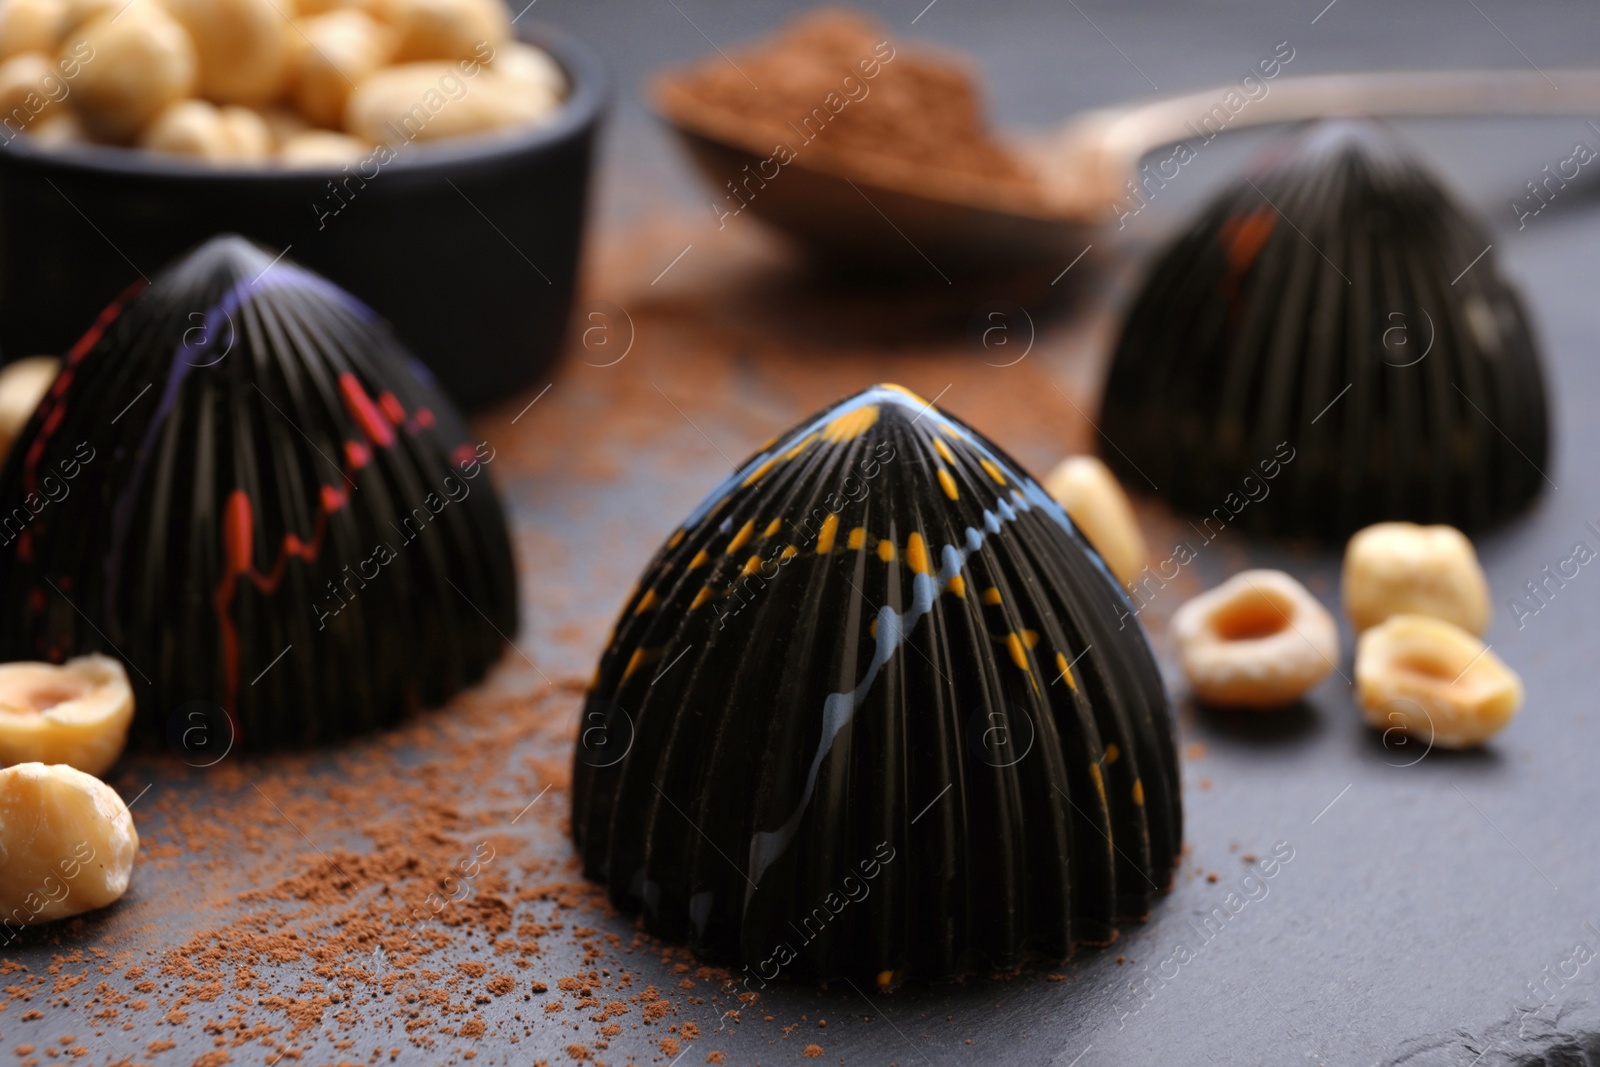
[902, 390]
[772, 527]
[992, 471]
[1138, 791]
[1072, 683]
[761, 471]
[1019, 654]
[886, 551]
[1112, 752]
[1030, 637]
[948, 483]
[830, 527]
[991, 595]
[958, 586]
[851, 425]
[701, 597]
[858, 537]
[943, 450]
[790, 552]
[677, 539]
[646, 602]
[885, 979]
[740, 539]
[751, 565]
[640, 657]
[700, 559]
[873, 629]
[1099, 782]
[917, 554]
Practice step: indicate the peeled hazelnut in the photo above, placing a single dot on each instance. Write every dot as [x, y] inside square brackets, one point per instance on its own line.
[23, 383]
[445, 29]
[281, 124]
[242, 47]
[67, 845]
[30, 88]
[76, 713]
[188, 128]
[429, 101]
[60, 127]
[143, 61]
[1435, 681]
[31, 26]
[1258, 640]
[322, 148]
[1400, 568]
[249, 139]
[1095, 502]
[338, 51]
[533, 71]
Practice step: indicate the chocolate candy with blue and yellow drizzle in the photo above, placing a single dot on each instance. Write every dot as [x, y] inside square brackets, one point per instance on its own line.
[878, 710]
[242, 485]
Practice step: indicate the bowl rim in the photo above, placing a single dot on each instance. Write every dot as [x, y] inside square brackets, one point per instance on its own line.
[590, 92]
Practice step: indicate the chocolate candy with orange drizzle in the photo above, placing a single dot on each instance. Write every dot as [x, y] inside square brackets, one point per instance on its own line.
[242, 486]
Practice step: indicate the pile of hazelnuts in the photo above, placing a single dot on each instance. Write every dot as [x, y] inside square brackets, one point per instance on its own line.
[296, 82]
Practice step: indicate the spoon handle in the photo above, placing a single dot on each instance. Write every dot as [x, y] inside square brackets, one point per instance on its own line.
[1098, 152]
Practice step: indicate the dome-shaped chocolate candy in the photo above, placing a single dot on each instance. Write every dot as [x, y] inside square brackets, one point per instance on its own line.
[876, 709]
[242, 486]
[1328, 346]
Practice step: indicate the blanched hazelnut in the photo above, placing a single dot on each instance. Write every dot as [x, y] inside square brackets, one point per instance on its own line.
[429, 101]
[23, 383]
[1400, 568]
[242, 47]
[1435, 681]
[445, 29]
[1095, 502]
[187, 128]
[143, 61]
[249, 139]
[30, 91]
[31, 26]
[532, 68]
[67, 845]
[339, 50]
[322, 148]
[60, 126]
[282, 124]
[1258, 640]
[76, 713]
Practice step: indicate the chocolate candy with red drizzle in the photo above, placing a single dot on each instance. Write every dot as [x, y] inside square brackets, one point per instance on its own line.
[243, 486]
[1328, 345]
[878, 710]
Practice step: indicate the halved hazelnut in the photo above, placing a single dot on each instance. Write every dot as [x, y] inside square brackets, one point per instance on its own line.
[1434, 681]
[23, 383]
[67, 845]
[76, 713]
[1258, 640]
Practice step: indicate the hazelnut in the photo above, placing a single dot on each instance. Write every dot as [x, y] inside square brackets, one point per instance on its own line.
[31, 26]
[249, 139]
[1095, 502]
[143, 61]
[67, 845]
[445, 29]
[30, 88]
[1258, 640]
[1400, 568]
[428, 101]
[1434, 681]
[61, 126]
[23, 383]
[242, 47]
[76, 713]
[188, 128]
[338, 51]
[322, 148]
[531, 68]
[282, 124]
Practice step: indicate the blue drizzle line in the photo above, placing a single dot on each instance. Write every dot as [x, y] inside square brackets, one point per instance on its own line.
[894, 628]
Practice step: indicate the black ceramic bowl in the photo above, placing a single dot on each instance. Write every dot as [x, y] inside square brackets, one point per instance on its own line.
[468, 247]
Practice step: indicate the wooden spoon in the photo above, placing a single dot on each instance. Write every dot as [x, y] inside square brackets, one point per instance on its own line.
[862, 208]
